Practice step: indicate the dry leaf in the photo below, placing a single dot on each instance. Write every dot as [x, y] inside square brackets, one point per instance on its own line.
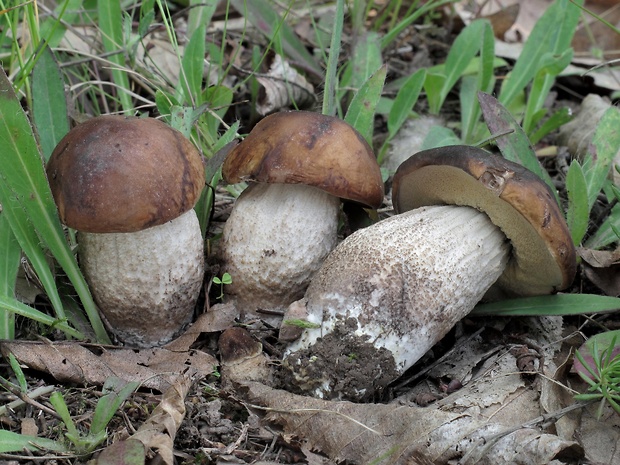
[555, 395]
[577, 134]
[504, 19]
[599, 258]
[363, 433]
[156, 368]
[160, 429]
[488, 421]
[281, 87]
[218, 318]
[602, 267]
[601, 437]
[157, 433]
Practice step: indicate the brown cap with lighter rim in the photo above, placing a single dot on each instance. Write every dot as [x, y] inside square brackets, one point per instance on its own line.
[301, 147]
[124, 174]
[517, 201]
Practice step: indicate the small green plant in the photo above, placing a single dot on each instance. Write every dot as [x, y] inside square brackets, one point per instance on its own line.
[598, 364]
[115, 392]
[224, 280]
[305, 324]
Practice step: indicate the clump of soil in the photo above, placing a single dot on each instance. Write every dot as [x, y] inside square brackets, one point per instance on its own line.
[340, 364]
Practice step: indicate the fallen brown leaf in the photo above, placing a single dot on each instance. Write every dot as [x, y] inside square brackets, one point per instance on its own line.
[281, 87]
[602, 267]
[398, 434]
[156, 435]
[156, 368]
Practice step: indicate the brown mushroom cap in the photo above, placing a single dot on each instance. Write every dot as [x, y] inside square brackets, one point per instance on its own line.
[118, 174]
[301, 147]
[515, 199]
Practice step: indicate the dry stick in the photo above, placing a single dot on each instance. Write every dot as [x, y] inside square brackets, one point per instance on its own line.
[38, 392]
[26, 398]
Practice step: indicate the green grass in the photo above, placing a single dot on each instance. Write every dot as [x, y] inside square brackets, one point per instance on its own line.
[212, 101]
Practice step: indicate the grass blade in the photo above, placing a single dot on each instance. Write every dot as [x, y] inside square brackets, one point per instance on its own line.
[514, 146]
[406, 98]
[578, 212]
[264, 18]
[361, 112]
[111, 24]
[329, 97]
[470, 85]
[552, 33]
[11, 304]
[393, 33]
[49, 105]
[402, 108]
[200, 14]
[25, 187]
[116, 391]
[365, 60]
[609, 231]
[549, 305]
[550, 67]
[606, 144]
[192, 65]
[53, 28]
[462, 51]
[10, 254]
[13, 442]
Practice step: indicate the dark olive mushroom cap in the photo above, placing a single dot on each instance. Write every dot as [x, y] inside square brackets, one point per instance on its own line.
[119, 174]
[301, 147]
[515, 199]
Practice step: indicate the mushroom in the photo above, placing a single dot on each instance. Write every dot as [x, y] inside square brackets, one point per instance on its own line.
[128, 186]
[469, 224]
[299, 164]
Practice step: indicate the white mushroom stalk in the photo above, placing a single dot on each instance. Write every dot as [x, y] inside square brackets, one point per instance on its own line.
[395, 288]
[140, 274]
[275, 239]
[469, 225]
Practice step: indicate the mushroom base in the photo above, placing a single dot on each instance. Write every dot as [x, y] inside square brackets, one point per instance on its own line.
[276, 238]
[339, 366]
[387, 294]
[146, 283]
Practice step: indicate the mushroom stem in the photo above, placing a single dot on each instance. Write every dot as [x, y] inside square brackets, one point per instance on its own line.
[389, 292]
[146, 294]
[275, 239]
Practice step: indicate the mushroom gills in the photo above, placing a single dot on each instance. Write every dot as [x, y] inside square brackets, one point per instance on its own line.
[390, 292]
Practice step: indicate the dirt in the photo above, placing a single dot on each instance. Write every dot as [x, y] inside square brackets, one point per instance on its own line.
[357, 369]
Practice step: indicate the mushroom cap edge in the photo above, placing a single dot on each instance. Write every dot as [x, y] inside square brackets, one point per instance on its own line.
[124, 174]
[543, 259]
[302, 147]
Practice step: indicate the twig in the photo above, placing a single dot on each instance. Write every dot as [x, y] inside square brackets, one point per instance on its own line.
[26, 398]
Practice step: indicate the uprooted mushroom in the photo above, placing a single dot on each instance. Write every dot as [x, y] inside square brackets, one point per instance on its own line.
[469, 225]
[298, 166]
[129, 185]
